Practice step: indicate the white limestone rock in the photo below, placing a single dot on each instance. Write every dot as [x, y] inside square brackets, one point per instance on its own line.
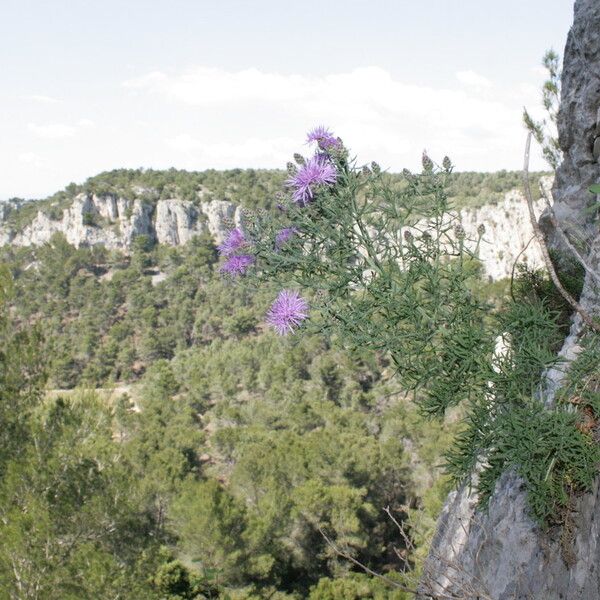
[508, 235]
[114, 222]
[221, 216]
[177, 221]
[137, 221]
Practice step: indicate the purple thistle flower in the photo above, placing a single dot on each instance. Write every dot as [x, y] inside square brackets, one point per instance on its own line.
[284, 235]
[234, 241]
[237, 265]
[324, 138]
[315, 172]
[287, 312]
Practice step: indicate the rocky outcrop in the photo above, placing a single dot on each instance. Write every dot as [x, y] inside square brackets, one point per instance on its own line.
[176, 222]
[508, 234]
[501, 554]
[579, 124]
[114, 222]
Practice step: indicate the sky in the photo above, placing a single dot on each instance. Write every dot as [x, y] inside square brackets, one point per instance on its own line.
[94, 85]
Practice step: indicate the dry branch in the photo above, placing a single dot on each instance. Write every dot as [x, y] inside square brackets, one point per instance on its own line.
[585, 316]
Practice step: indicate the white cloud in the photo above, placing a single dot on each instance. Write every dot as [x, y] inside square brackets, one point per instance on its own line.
[382, 117]
[57, 131]
[205, 117]
[41, 98]
[31, 158]
[144, 81]
[252, 152]
[473, 79]
[52, 131]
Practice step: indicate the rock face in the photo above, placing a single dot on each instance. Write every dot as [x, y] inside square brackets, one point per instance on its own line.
[114, 222]
[579, 120]
[501, 554]
[508, 234]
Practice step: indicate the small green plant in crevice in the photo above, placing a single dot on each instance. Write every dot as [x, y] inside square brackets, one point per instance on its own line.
[534, 285]
[89, 219]
[554, 458]
[507, 430]
[581, 390]
[497, 429]
[553, 450]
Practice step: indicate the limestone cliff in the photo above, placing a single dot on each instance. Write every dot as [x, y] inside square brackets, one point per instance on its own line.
[114, 221]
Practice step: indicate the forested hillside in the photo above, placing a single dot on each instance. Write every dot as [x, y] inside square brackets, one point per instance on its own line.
[168, 445]
[251, 188]
[231, 450]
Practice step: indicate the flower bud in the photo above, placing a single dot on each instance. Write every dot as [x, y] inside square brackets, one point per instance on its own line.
[408, 236]
[426, 162]
[447, 164]
[228, 223]
[299, 159]
[459, 231]
[366, 171]
[291, 168]
[481, 229]
[375, 168]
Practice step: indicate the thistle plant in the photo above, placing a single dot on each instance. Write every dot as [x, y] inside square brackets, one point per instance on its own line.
[234, 241]
[232, 249]
[287, 312]
[385, 265]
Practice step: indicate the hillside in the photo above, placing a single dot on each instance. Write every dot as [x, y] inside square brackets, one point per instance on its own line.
[171, 207]
[249, 443]
[236, 449]
[252, 188]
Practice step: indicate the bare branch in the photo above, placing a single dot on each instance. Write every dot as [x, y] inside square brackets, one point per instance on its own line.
[467, 584]
[407, 541]
[567, 242]
[587, 319]
[353, 560]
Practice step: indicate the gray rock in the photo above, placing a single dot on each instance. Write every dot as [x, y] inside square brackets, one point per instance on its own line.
[221, 216]
[174, 222]
[501, 554]
[114, 222]
[508, 234]
[4, 211]
[578, 119]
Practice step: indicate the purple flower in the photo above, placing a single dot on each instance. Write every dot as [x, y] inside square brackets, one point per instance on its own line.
[324, 138]
[234, 241]
[287, 312]
[284, 235]
[237, 265]
[315, 172]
